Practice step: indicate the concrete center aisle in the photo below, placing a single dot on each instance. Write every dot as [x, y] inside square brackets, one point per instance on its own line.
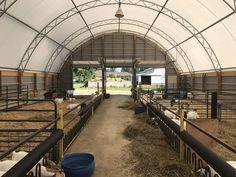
[103, 137]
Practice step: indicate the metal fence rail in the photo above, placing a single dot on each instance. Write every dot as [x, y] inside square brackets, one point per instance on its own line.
[43, 140]
[9, 92]
[195, 153]
[26, 125]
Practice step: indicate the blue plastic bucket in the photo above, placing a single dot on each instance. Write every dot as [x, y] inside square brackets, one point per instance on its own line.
[78, 165]
[139, 109]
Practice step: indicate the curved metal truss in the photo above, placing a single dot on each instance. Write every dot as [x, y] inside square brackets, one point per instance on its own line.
[142, 3]
[122, 21]
[177, 66]
[5, 5]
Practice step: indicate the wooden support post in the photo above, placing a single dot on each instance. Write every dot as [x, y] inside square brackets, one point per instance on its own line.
[19, 79]
[35, 84]
[61, 126]
[181, 145]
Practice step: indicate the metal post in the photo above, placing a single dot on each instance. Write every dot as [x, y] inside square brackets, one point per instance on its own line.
[214, 105]
[61, 126]
[93, 104]
[181, 144]
[103, 78]
[207, 102]
[134, 79]
[98, 87]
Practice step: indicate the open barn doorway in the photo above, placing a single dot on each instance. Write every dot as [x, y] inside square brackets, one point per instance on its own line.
[118, 80]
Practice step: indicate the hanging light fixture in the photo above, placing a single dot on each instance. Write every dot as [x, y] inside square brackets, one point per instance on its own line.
[119, 12]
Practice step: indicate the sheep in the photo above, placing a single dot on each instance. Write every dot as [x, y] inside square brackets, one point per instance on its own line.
[7, 164]
[190, 96]
[71, 99]
[21, 154]
[201, 172]
[169, 114]
[69, 93]
[71, 106]
[58, 100]
[2, 173]
[17, 156]
[158, 96]
[49, 94]
[192, 114]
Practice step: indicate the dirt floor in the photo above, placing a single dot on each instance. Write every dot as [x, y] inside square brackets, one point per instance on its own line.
[123, 145]
[103, 137]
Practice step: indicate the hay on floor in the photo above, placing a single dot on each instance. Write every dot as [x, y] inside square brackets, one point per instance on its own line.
[150, 154]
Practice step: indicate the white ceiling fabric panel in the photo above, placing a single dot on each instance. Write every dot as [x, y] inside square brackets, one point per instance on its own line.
[200, 13]
[14, 36]
[160, 40]
[40, 57]
[59, 60]
[130, 12]
[230, 26]
[79, 39]
[223, 44]
[172, 28]
[14, 39]
[66, 28]
[39, 13]
[177, 58]
[197, 55]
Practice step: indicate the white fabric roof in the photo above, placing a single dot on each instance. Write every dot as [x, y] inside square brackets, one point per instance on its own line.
[35, 35]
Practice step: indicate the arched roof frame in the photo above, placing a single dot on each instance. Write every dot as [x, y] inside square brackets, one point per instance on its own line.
[145, 4]
[84, 29]
[162, 48]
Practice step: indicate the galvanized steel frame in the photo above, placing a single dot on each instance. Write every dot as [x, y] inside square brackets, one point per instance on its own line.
[177, 67]
[5, 5]
[142, 3]
[122, 21]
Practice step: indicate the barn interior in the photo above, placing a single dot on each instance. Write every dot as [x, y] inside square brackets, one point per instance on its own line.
[178, 123]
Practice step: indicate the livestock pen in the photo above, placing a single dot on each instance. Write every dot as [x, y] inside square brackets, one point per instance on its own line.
[195, 152]
[29, 127]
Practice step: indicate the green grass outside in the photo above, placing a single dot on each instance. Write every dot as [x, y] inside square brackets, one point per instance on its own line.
[150, 87]
[77, 86]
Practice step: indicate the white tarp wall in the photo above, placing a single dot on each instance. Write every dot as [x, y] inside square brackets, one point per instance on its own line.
[31, 31]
